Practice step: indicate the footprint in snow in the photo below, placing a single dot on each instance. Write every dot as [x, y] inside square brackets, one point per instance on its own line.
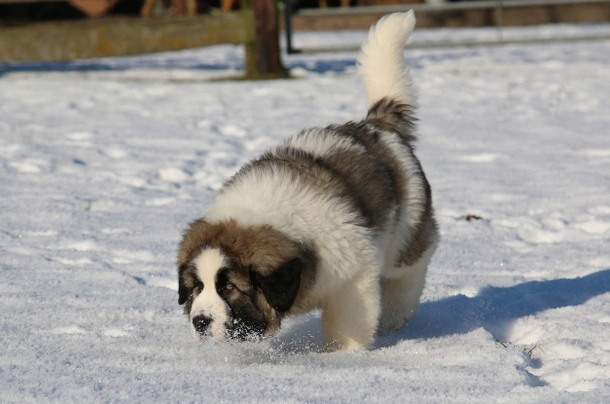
[29, 166]
[232, 131]
[174, 174]
[480, 158]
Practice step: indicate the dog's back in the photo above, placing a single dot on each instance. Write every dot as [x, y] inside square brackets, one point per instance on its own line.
[367, 167]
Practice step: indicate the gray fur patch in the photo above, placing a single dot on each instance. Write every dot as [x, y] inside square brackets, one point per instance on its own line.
[392, 116]
[389, 115]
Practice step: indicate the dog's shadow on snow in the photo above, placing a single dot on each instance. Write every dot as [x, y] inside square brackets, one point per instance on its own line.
[173, 61]
[495, 309]
[127, 63]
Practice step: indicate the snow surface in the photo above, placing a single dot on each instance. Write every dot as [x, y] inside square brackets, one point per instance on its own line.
[104, 162]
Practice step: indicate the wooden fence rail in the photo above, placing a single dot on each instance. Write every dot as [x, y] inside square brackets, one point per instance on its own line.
[62, 41]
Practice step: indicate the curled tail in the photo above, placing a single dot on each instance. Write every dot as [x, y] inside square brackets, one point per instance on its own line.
[381, 62]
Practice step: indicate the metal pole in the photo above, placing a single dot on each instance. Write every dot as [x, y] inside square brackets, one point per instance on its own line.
[288, 23]
[499, 22]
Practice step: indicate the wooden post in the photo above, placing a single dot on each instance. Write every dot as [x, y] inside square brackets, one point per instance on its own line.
[95, 38]
[263, 59]
[191, 7]
[147, 8]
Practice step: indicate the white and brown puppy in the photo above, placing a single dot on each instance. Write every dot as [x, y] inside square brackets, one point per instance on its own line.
[338, 219]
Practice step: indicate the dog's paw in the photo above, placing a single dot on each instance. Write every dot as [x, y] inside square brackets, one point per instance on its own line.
[394, 321]
[347, 345]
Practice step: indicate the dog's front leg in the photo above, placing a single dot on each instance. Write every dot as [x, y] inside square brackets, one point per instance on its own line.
[350, 316]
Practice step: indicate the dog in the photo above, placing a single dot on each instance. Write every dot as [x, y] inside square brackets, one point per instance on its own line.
[338, 219]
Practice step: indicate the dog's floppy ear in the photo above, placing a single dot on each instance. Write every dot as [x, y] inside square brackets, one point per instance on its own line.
[281, 287]
[184, 290]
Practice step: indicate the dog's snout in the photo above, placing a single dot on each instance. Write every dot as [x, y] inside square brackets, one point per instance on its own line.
[201, 323]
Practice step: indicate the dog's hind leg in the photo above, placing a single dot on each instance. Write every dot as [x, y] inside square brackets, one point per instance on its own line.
[351, 315]
[400, 294]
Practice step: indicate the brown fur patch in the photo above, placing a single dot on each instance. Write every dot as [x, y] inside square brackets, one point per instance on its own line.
[259, 246]
[254, 252]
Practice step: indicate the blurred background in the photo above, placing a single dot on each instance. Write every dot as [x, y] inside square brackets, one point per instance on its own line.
[445, 12]
[65, 30]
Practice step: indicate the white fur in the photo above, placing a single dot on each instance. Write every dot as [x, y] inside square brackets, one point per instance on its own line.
[412, 206]
[209, 303]
[381, 63]
[320, 142]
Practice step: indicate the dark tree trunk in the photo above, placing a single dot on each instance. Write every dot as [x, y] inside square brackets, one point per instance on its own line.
[263, 54]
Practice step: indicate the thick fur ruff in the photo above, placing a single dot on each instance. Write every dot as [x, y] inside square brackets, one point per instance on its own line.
[337, 218]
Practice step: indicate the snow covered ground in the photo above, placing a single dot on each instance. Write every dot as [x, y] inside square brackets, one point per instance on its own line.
[104, 162]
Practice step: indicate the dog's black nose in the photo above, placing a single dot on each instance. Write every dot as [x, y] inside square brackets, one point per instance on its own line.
[201, 323]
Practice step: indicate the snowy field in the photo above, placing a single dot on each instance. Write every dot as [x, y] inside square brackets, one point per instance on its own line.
[104, 162]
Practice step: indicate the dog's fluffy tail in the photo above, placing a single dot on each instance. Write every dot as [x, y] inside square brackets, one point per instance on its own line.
[381, 63]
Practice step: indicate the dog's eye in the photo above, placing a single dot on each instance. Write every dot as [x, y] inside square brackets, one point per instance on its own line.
[229, 287]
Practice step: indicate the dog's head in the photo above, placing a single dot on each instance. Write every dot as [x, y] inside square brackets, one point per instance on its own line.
[239, 281]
